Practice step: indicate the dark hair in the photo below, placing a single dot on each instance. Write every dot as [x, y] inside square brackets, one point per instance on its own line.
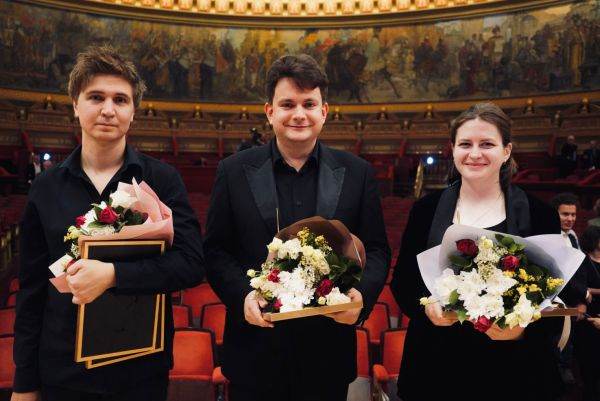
[302, 69]
[589, 239]
[565, 198]
[596, 207]
[492, 114]
[104, 60]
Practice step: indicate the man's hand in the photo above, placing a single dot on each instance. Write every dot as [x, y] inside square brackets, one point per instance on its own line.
[498, 334]
[88, 279]
[581, 311]
[252, 312]
[349, 316]
[435, 314]
[595, 321]
[31, 396]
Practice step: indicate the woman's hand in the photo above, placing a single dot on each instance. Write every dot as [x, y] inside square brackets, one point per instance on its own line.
[498, 334]
[434, 313]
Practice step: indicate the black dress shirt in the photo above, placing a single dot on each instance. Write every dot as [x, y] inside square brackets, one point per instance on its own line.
[296, 190]
[46, 319]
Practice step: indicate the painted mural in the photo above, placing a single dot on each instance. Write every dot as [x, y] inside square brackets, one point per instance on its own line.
[556, 49]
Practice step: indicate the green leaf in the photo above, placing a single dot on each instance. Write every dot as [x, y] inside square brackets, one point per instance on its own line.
[507, 242]
[461, 314]
[513, 248]
[453, 297]
[460, 261]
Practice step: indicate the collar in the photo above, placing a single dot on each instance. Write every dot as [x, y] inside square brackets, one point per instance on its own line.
[567, 233]
[278, 158]
[518, 218]
[73, 162]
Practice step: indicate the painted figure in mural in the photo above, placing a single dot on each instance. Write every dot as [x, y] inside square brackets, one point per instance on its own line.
[524, 54]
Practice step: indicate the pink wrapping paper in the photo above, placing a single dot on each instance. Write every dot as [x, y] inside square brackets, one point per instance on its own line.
[158, 225]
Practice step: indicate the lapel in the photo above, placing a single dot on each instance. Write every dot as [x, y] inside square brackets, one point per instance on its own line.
[262, 185]
[518, 218]
[331, 180]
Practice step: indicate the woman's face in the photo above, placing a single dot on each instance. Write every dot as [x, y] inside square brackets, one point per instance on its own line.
[478, 152]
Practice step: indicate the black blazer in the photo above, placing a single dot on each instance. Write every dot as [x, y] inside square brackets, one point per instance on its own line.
[458, 362]
[242, 221]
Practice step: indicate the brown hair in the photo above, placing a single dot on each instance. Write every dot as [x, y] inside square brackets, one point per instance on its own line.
[104, 60]
[492, 114]
[302, 69]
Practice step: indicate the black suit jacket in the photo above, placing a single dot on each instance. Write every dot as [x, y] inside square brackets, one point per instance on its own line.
[460, 362]
[242, 221]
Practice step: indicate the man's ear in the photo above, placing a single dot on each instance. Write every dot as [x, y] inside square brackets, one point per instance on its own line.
[269, 112]
[325, 109]
[75, 109]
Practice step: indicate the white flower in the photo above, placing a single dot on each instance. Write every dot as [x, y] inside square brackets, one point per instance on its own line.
[485, 243]
[290, 303]
[75, 250]
[470, 284]
[275, 245]
[335, 297]
[90, 217]
[523, 313]
[105, 230]
[498, 283]
[322, 301]
[314, 259]
[257, 282]
[488, 305]
[123, 199]
[290, 248]
[251, 273]
[445, 284]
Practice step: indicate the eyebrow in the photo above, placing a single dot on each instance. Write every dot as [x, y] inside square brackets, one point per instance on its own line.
[294, 101]
[99, 92]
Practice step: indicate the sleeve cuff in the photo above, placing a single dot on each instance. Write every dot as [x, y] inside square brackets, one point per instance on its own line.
[26, 379]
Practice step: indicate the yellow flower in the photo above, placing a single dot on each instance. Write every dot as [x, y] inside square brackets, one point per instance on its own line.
[509, 273]
[537, 315]
[534, 288]
[251, 273]
[303, 235]
[553, 283]
[522, 289]
[523, 275]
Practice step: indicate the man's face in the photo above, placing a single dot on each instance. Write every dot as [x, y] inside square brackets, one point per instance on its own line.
[297, 115]
[568, 215]
[105, 108]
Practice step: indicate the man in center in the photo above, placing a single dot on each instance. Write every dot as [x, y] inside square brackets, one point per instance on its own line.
[263, 189]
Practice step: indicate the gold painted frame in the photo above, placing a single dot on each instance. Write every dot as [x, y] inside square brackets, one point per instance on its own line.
[81, 310]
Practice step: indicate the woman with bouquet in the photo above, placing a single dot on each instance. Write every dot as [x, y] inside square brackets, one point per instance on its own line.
[105, 90]
[443, 358]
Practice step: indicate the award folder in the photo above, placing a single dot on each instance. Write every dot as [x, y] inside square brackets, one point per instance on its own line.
[115, 327]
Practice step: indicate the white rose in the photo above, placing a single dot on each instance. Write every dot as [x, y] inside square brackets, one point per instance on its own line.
[445, 284]
[275, 245]
[485, 243]
[251, 273]
[123, 199]
[291, 248]
[523, 313]
[335, 297]
[322, 301]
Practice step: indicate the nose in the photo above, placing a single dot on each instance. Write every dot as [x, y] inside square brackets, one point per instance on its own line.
[108, 109]
[475, 152]
[299, 114]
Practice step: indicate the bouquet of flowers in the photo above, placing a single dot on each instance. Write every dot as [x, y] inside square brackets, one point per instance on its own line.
[133, 211]
[103, 219]
[494, 282]
[309, 269]
[506, 280]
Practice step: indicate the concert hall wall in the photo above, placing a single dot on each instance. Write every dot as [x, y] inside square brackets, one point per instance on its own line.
[544, 51]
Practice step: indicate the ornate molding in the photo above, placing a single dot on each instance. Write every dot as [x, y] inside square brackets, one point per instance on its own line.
[296, 13]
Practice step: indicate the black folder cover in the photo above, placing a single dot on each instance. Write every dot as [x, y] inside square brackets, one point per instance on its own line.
[115, 325]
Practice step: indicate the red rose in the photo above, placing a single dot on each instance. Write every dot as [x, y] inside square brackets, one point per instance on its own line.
[510, 262]
[467, 247]
[274, 276]
[108, 215]
[324, 288]
[79, 221]
[483, 324]
[277, 304]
